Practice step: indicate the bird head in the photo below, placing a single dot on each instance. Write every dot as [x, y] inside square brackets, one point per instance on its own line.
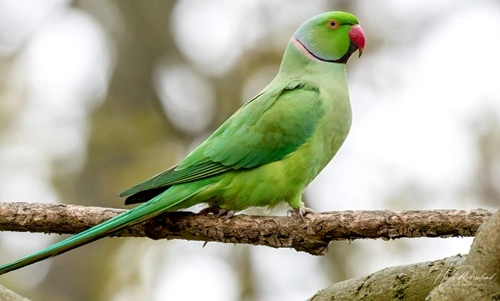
[332, 37]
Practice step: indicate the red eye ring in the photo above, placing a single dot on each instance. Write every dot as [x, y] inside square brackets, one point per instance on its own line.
[333, 24]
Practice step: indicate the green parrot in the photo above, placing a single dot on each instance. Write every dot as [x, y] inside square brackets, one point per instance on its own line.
[264, 154]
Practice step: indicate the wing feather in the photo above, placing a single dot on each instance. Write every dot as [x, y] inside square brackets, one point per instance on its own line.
[266, 129]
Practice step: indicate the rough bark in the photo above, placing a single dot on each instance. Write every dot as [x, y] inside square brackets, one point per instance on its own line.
[411, 282]
[312, 236]
[462, 277]
[477, 277]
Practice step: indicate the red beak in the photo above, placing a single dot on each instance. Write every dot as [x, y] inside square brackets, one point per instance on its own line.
[357, 37]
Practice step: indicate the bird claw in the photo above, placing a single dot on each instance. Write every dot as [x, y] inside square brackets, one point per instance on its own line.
[302, 212]
[225, 214]
[217, 211]
[210, 210]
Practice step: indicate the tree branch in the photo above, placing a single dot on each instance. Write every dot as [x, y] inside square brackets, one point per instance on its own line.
[411, 282]
[461, 277]
[311, 236]
[8, 295]
[477, 277]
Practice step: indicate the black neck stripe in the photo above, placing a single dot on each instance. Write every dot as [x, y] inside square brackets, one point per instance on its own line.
[342, 60]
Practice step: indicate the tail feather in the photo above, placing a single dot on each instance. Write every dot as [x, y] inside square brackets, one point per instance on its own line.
[141, 213]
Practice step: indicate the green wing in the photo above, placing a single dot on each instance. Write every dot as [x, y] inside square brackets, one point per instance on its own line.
[266, 129]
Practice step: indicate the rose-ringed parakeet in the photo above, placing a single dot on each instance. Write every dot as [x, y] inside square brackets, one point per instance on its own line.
[268, 151]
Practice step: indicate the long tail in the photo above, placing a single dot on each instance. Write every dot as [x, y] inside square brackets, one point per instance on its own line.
[154, 207]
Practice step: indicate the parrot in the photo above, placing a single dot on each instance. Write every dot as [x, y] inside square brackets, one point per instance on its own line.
[267, 152]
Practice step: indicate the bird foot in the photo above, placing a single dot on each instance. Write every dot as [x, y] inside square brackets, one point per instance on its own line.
[217, 211]
[210, 210]
[302, 212]
[225, 214]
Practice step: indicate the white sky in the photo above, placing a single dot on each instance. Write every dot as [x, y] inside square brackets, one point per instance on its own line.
[414, 101]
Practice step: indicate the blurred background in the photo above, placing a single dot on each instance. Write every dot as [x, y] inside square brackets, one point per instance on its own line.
[96, 96]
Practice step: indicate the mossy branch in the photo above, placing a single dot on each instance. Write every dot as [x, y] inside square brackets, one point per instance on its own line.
[462, 277]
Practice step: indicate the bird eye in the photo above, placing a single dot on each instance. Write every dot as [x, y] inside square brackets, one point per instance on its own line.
[333, 24]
